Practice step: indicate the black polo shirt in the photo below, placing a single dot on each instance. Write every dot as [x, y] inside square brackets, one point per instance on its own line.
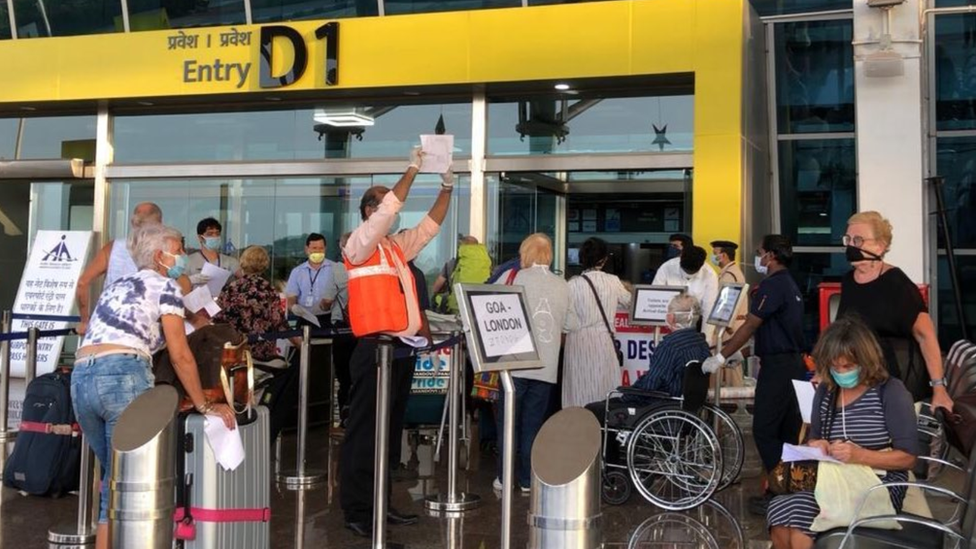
[778, 302]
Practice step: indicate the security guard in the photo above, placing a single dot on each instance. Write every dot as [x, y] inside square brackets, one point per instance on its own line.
[776, 319]
[382, 300]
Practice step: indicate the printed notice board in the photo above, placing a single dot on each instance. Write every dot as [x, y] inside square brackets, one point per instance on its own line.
[723, 312]
[650, 304]
[497, 326]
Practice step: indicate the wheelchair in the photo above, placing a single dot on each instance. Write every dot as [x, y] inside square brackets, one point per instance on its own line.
[676, 451]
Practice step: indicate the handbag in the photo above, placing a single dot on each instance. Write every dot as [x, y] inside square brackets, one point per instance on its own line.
[599, 305]
[800, 476]
[486, 384]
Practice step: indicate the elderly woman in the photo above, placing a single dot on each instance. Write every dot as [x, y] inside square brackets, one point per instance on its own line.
[861, 416]
[251, 305]
[891, 305]
[133, 318]
[591, 367]
[547, 297]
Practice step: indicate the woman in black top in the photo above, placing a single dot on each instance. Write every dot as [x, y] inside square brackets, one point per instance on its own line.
[890, 304]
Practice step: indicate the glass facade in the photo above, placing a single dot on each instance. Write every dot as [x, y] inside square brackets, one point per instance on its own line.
[955, 105]
[301, 134]
[815, 77]
[397, 7]
[516, 211]
[560, 125]
[818, 190]
[788, 7]
[172, 14]
[48, 137]
[4, 22]
[8, 137]
[43, 18]
[810, 270]
[264, 11]
[279, 213]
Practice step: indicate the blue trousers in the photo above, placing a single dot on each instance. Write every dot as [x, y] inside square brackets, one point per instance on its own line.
[531, 404]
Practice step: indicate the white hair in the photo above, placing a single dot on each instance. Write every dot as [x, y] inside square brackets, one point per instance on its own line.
[145, 241]
[687, 307]
[154, 215]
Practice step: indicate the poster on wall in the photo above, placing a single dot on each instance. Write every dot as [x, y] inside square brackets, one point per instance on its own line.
[637, 344]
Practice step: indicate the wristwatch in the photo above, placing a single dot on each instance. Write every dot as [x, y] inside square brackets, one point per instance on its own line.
[937, 382]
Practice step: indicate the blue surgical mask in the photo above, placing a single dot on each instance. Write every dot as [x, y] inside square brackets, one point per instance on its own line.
[847, 380]
[211, 243]
[714, 259]
[178, 268]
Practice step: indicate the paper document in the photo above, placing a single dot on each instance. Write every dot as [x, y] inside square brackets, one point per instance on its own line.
[302, 312]
[417, 342]
[201, 298]
[438, 153]
[804, 396]
[218, 277]
[226, 444]
[792, 452]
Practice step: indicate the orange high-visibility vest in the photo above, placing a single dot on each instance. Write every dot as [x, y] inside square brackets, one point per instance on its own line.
[377, 302]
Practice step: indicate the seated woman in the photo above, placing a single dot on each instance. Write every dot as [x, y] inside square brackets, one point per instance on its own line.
[861, 416]
[251, 305]
[134, 317]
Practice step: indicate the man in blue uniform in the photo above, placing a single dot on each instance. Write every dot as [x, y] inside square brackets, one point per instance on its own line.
[776, 320]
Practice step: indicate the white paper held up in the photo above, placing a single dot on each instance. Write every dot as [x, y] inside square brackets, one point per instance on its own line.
[805, 392]
[302, 312]
[792, 452]
[438, 153]
[197, 299]
[227, 446]
[218, 277]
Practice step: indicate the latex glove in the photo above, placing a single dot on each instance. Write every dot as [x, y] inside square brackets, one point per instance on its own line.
[416, 158]
[447, 180]
[199, 279]
[713, 363]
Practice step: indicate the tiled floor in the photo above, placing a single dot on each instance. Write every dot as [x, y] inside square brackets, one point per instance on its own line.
[308, 519]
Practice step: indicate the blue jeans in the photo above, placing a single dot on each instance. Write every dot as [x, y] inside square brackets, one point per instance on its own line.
[531, 404]
[101, 389]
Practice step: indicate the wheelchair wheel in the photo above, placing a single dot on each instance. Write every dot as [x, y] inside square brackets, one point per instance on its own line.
[729, 440]
[674, 460]
[672, 530]
[616, 488]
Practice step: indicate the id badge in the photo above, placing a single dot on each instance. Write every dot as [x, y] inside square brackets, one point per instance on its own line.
[308, 301]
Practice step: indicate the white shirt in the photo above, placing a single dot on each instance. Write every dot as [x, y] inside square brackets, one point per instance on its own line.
[703, 285]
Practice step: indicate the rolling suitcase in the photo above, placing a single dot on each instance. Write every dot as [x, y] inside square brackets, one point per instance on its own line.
[222, 509]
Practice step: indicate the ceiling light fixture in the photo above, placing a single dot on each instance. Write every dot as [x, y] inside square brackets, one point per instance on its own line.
[343, 119]
[561, 87]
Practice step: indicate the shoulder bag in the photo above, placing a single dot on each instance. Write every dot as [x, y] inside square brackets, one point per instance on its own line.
[599, 305]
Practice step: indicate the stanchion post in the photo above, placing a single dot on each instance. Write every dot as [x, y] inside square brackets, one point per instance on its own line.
[453, 501]
[31, 367]
[301, 477]
[383, 364]
[508, 458]
[718, 380]
[6, 435]
[81, 532]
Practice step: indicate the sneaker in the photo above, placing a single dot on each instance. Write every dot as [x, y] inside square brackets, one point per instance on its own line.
[525, 490]
[497, 484]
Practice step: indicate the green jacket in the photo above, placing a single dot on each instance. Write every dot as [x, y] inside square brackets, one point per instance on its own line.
[473, 266]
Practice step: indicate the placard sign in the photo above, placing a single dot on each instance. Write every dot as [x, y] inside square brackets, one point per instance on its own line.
[649, 306]
[496, 324]
[723, 312]
[48, 288]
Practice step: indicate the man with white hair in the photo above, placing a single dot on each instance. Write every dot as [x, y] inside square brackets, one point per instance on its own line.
[683, 345]
[114, 261]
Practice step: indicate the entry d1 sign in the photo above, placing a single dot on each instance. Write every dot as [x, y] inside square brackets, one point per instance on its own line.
[497, 326]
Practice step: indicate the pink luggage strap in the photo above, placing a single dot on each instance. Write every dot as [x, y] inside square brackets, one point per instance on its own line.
[224, 515]
[50, 428]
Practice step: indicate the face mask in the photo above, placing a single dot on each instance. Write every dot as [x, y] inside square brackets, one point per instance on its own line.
[681, 321]
[847, 380]
[760, 268]
[211, 243]
[178, 268]
[715, 259]
[316, 257]
[671, 252]
[854, 254]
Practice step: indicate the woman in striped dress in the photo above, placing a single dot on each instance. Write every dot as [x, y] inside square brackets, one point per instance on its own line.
[590, 361]
[861, 417]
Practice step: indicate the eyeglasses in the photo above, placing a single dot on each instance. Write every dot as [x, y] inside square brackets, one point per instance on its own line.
[856, 241]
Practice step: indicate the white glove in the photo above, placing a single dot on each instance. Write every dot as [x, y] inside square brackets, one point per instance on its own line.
[713, 363]
[416, 158]
[199, 279]
[447, 180]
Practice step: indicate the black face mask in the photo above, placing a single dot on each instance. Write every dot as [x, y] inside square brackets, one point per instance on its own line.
[857, 254]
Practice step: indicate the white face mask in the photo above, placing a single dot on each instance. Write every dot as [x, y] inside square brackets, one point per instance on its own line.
[760, 268]
[681, 321]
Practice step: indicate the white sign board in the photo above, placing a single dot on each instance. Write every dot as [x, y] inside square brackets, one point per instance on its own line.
[650, 304]
[723, 312]
[48, 288]
[496, 323]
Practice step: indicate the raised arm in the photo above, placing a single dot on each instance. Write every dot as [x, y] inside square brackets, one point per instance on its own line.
[402, 187]
[439, 210]
[95, 269]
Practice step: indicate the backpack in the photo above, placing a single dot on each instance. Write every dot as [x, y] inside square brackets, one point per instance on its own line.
[47, 455]
[473, 266]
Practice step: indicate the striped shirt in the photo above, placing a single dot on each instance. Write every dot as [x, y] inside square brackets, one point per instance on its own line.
[667, 368]
[873, 421]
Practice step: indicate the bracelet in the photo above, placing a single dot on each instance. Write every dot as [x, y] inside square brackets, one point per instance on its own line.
[414, 166]
[207, 407]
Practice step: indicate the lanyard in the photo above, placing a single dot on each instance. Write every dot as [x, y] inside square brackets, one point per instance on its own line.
[207, 260]
[312, 279]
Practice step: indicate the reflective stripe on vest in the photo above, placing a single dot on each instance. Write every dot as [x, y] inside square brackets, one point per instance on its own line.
[377, 300]
[384, 268]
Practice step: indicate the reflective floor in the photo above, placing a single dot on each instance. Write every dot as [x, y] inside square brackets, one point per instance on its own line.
[309, 519]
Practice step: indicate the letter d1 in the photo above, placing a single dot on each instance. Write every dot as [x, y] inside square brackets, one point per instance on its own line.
[297, 69]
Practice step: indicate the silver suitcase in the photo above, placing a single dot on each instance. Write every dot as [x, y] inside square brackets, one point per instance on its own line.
[229, 509]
